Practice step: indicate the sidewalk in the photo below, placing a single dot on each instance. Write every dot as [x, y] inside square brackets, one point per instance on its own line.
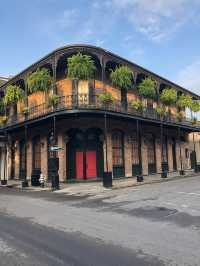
[94, 188]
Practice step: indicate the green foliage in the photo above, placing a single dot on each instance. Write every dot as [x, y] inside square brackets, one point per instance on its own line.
[122, 77]
[26, 110]
[40, 80]
[3, 120]
[184, 101]
[13, 94]
[168, 96]
[147, 88]
[195, 106]
[194, 120]
[137, 105]
[106, 97]
[53, 100]
[179, 116]
[161, 110]
[2, 105]
[80, 67]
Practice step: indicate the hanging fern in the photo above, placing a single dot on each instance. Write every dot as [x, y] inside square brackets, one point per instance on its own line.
[122, 77]
[80, 67]
[40, 80]
[13, 95]
[168, 96]
[184, 101]
[147, 88]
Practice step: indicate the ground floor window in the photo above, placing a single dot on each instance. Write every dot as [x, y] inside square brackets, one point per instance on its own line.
[151, 154]
[22, 155]
[135, 146]
[135, 149]
[118, 153]
[164, 150]
[36, 153]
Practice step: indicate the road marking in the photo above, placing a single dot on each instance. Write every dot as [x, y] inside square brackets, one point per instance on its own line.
[190, 193]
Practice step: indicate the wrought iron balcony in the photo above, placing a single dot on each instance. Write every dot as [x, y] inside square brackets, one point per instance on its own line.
[92, 102]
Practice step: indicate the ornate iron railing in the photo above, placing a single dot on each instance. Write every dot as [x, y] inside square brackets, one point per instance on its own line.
[86, 101]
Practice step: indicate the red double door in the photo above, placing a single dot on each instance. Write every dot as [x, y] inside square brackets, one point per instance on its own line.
[90, 164]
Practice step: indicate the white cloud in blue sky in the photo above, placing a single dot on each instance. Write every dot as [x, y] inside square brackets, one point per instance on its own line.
[161, 35]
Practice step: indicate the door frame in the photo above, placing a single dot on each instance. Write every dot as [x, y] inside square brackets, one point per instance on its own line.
[84, 144]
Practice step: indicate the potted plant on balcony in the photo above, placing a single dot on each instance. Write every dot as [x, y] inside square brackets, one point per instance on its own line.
[147, 88]
[195, 108]
[161, 111]
[137, 105]
[184, 101]
[14, 94]
[39, 80]
[53, 100]
[106, 99]
[168, 96]
[122, 77]
[80, 67]
[180, 116]
[3, 120]
[26, 110]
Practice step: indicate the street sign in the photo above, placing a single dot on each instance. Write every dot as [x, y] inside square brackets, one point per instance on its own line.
[55, 148]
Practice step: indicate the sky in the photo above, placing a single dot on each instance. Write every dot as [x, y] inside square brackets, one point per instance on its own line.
[160, 35]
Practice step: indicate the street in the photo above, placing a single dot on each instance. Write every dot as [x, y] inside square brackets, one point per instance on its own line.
[154, 225]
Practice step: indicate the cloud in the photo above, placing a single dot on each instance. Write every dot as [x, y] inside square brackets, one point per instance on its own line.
[189, 77]
[158, 20]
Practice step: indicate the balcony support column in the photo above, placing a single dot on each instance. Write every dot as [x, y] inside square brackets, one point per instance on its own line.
[54, 68]
[180, 152]
[103, 67]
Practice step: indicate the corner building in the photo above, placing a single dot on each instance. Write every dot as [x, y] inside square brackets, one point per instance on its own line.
[94, 138]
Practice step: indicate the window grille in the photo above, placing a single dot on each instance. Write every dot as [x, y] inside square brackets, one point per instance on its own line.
[117, 148]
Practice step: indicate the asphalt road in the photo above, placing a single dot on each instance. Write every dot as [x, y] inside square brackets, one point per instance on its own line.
[156, 224]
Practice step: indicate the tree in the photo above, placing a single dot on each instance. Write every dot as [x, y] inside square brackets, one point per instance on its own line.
[168, 96]
[147, 88]
[40, 80]
[13, 94]
[80, 67]
[122, 77]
